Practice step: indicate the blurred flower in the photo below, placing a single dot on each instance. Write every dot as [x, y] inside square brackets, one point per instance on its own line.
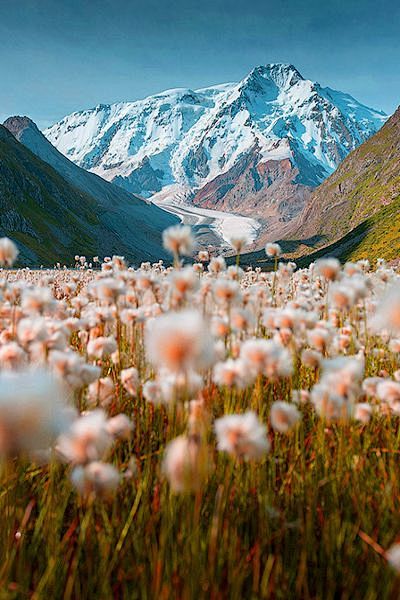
[99, 478]
[284, 416]
[273, 250]
[178, 240]
[242, 436]
[8, 252]
[179, 341]
[33, 411]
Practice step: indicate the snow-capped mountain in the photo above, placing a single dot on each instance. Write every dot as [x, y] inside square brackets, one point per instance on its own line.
[254, 146]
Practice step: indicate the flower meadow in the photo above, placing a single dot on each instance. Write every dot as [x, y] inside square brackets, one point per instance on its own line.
[199, 431]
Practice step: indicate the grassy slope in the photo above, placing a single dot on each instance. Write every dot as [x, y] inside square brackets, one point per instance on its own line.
[366, 180]
[377, 237]
[357, 209]
[46, 203]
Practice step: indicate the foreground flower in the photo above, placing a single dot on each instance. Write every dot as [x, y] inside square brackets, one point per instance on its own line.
[186, 463]
[284, 416]
[388, 313]
[33, 411]
[393, 557]
[238, 242]
[179, 342]
[329, 268]
[87, 439]
[178, 240]
[8, 252]
[99, 478]
[273, 250]
[242, 436]
[266, 357]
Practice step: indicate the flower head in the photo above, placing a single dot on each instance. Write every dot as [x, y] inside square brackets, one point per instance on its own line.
[242, 436]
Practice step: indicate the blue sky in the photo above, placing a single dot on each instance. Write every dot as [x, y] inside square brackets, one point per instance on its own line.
[66, 55]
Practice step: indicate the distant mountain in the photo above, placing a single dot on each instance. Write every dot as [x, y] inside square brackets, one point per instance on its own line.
[255, 147]
[367, 180]
[52, 220]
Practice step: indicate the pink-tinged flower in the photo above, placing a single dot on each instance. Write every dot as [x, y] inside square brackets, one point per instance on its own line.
[388, 313]
[101, 392]
[238, 242]
[319, 338]
[130, 380]
[311, 358]
[33, 411]
[232, 373]
[12, 356]
[179, 341]
[217, 264]
[226, 291]
[329, 405]
[101, 346]
[329, 268]
[370, 384]
[242, 436]
[8, 252]
[284, 416]
[266, 357]
[273, 250]
[178, 240]
[363, 412]
[86, 440]
[120, 426]
[101, 479]
[388, 391]
[186, 464]
[203, 255]
[393, 557]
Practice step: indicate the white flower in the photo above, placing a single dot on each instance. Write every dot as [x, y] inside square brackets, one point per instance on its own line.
[101, 346]
[273, 250]
[101, 392]
[266, 357]
[232, 373]
[328, 405]
[284, 416]
[242, 436]
[393, 556]
[120, 426]
[329, 268]
[179, 341]
[130, 380]
[8, 252]
[86, 440]
[33, 411]
[238, 242]
[178, 240]
[185, 463]
[99, 478]
[363, 412]
[388, 313]
[217, 264]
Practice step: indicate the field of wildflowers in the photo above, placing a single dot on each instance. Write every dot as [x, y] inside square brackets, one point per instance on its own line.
[199, 431]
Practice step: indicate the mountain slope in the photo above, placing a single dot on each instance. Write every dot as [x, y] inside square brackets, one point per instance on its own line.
[53, 220]
[367, 179]
[255, 147]
[376, 237]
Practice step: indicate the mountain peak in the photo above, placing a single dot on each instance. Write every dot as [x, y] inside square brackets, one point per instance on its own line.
[282, 74]
[17, 124]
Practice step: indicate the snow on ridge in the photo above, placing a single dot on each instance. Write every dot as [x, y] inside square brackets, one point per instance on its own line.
[189, 136]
